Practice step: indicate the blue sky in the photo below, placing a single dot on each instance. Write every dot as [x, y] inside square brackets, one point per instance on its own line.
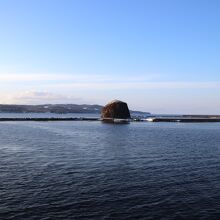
[158, 55]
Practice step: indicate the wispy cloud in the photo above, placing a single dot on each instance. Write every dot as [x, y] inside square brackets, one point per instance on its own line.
[137, 85]
[31, 77]
[63, 77]
[101, 82]
[56, 88]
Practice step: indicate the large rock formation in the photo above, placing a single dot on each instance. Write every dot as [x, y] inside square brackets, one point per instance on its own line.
[115, 110]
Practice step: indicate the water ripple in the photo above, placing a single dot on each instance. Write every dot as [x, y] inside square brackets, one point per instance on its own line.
[81, 170]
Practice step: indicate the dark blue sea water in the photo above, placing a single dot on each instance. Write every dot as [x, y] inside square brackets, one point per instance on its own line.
[91, 170]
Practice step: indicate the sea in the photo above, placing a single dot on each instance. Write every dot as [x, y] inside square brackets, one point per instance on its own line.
[92, 170]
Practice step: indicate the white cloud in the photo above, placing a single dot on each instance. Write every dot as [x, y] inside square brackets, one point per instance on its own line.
[37, 97]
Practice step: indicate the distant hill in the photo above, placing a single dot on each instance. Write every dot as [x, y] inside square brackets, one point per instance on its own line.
[56, 108]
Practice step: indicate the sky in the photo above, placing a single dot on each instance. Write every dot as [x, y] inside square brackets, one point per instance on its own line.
[160, 56]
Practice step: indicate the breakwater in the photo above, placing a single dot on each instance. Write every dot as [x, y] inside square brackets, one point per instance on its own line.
[150, 119]
[49, 119]
[186, 120]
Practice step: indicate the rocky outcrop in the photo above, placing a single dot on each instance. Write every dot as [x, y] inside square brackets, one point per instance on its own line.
[115, 110]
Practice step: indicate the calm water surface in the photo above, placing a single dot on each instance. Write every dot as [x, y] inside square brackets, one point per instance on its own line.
[90, 170]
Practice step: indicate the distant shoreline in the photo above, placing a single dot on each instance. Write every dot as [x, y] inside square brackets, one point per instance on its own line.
[58, 109]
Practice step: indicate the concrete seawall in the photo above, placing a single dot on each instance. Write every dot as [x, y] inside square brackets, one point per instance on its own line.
[154, 119]
[186, 120]
[49, 119]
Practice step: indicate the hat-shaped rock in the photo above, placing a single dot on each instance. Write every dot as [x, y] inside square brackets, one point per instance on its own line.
[115, 109]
